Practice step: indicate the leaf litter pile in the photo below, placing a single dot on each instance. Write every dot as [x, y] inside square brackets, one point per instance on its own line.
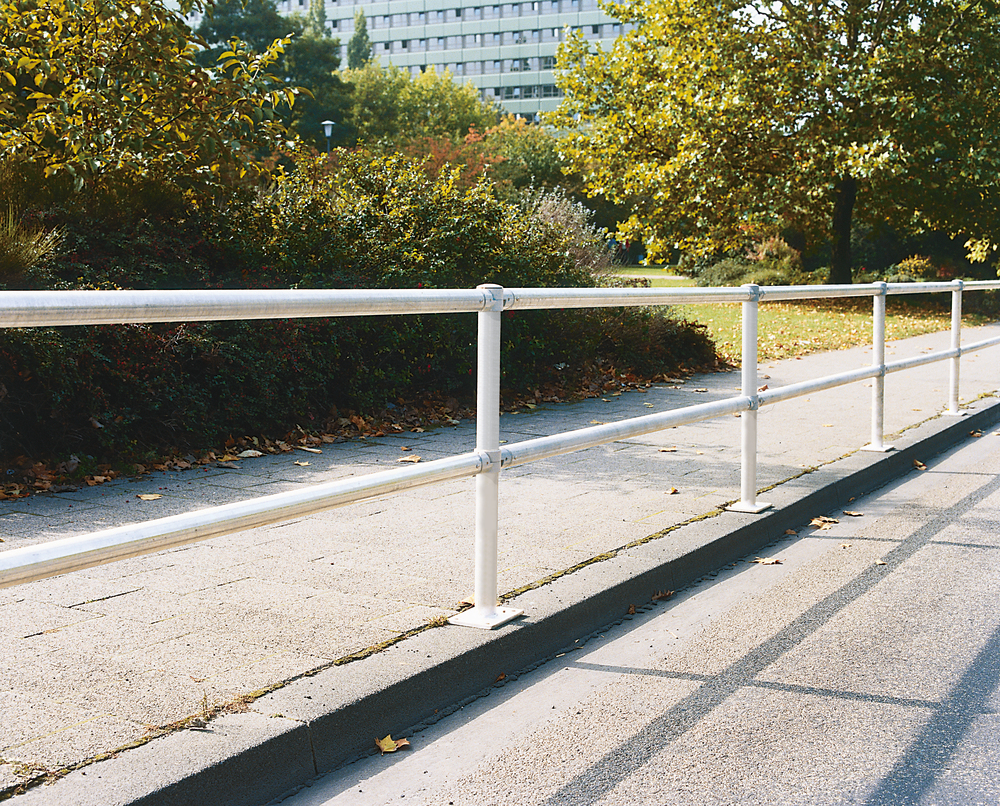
[23, 476]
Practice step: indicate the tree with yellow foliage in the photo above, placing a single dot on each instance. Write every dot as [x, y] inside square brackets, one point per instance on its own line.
[728, 117]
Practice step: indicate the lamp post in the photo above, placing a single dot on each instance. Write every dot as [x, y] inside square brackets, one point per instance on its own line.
[327, 130]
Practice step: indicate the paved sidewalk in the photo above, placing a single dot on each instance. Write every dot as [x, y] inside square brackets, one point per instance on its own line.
[863, 670]
[93, 661]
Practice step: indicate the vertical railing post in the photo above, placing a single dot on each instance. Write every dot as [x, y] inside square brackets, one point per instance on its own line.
[956, 345]
[748, 419]
[878, 360]
[486, 614]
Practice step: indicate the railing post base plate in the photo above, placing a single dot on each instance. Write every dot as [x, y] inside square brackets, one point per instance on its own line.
[485, 619]
[753, 509]
[950, 413]
[877, 448]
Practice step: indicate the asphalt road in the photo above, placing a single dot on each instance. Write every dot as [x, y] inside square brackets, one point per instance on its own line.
[862, 669]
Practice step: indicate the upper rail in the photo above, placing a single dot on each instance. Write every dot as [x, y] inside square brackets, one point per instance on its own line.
[60, 308]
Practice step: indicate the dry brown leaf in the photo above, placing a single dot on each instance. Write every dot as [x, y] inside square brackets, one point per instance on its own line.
[852, 514]
[669, 450]
[409, 459]
[823, 523]
[405, 448]
[766, 561]
[975, 433]
[662, 596]
[881, 562]
[249, 454]
[309, 450]
[228, 458]
[149, 496]
[699, 390]
[500, 678]
[790, 532]
[845, 545]
[762, 388]
[672, 491]
[631, 610]
[300, 464]
[416, 430]
[919, 465]
[390, 745]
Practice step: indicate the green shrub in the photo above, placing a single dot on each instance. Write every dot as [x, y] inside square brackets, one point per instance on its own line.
[364, 221]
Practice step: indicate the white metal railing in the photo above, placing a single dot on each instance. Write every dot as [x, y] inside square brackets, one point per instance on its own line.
[50, 308]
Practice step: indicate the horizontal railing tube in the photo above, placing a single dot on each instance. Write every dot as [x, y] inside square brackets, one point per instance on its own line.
[979, 345]
[777, 293]
[918, 288]
[919, 360]
[816, 385]
[532, 450]
[541, 298]
[54, 308]
[43, 560]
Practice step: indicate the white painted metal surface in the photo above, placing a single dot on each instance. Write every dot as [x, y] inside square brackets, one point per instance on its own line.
[50, 308]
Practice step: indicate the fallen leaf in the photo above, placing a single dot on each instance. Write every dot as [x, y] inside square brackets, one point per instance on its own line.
[845, 545]
[672, 491]
[669, 450]
[699, 390]
[662, 596]
[919, 465]
[881, 562]
[228, 458]
[228, 465]
[852, 514]
[975, 433]
[249, 454]
[790, 532]
[300, 464]
[149, 496]
[631, 610]
[648, 405]
[409, 459]
[500, 678]
[823, 523]
[416, 430]
[390, 745]
[766, 561]
[762, 388]
[405, 448]
[310, 450]
[597, 422]
[827, 425]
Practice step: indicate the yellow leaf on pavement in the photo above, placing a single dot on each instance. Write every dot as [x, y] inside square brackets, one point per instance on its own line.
[390, 745]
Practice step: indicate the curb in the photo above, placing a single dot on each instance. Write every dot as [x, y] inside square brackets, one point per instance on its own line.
[318, 723]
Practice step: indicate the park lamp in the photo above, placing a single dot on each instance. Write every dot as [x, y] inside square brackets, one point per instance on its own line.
[327, 131]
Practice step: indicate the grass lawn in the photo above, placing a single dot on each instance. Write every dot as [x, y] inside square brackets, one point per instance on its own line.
[788, 329]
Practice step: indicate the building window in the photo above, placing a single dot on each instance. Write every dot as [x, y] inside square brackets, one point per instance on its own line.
[548, 62]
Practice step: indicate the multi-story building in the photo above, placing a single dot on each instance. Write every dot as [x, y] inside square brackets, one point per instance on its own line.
[507, 51]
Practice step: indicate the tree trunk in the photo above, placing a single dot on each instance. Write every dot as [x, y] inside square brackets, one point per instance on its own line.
[843, 211]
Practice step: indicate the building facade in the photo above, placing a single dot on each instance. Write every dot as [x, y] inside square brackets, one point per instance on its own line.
[507, 51]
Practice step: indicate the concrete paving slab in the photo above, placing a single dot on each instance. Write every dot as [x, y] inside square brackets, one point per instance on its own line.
[248, 611]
